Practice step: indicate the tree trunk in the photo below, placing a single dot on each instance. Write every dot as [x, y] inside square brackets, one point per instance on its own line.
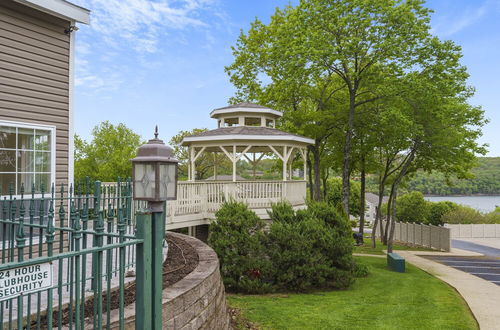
[394, 189]
[393, 222]
[324, 178]
[362, 204]
[378, 215]
[317, 173]
[347, 152]
[389, 216]
[309, 174]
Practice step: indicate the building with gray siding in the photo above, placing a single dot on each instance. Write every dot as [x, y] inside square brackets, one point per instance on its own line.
[36, 91]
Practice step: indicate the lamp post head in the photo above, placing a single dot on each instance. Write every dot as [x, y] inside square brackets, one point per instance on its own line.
[154, 171]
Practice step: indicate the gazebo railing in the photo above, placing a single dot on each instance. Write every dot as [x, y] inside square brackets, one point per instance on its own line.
[207, 197]
[202, 199]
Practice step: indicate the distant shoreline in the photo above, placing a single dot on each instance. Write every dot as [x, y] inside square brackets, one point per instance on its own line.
[474, 195]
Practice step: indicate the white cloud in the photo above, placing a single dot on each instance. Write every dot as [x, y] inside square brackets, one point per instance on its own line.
[141, 22]
[458, 22]
[123, 28]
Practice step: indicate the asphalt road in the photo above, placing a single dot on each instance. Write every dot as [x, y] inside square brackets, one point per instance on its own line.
[486, 250]
[486, 267]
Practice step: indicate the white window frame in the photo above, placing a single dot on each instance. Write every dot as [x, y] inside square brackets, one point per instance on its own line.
[53, 137]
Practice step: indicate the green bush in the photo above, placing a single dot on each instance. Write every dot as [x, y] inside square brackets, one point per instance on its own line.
[282, 212]
[437, 210]
[301, 250]
[412, 207]
[236, 235]
[463, 214]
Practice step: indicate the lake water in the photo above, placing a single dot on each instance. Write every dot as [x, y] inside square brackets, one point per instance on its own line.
[480, 203]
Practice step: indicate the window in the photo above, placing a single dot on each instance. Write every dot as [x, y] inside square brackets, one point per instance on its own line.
[269, 123]
[252, 121]
[27, 155]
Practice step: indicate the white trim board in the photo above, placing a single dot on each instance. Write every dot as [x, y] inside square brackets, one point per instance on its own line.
[243, 109]
[53, 139]
[71, 109]
[60, 8]
[234, 137]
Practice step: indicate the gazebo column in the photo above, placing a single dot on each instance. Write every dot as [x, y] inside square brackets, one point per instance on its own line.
[303, 153]
[193, 156]
[234, 157]
[234, 161]
[284, 158]
[285, 161]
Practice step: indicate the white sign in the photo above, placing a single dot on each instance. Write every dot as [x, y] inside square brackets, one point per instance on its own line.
[22, 280]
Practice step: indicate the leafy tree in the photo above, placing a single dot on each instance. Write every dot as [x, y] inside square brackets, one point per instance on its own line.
[412, 207]
[107, 156]
[334, 195]
[318, 61]
[437, 210]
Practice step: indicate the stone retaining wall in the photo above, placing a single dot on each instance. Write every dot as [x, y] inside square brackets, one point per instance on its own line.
[197, 301]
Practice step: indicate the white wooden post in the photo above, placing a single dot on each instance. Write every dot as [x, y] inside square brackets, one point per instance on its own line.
[263, 121]
[285, 161]
[234, 162]
[303, 152]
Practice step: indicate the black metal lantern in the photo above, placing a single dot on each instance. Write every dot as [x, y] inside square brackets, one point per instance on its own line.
[154, 172]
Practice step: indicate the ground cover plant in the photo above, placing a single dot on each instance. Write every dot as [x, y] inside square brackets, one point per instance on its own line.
[412, 300]
[299, 251]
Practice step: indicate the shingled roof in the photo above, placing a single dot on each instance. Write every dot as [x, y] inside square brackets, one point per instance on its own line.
[244, 130]
[244, 105]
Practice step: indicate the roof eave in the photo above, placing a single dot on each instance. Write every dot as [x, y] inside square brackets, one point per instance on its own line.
[60, 8]
[233, 137]
[222, 111]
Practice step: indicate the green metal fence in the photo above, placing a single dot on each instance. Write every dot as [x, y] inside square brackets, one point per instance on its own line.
[65, 256]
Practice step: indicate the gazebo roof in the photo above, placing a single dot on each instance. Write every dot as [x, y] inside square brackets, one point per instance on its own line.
[245, 133]
[245, 107]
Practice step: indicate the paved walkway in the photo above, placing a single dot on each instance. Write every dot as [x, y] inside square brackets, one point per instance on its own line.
[483, 297]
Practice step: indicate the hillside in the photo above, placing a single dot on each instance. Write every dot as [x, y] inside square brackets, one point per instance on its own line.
[486, 181]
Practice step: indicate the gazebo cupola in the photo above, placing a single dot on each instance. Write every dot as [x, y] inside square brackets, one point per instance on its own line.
[245, 114]
[247, 130]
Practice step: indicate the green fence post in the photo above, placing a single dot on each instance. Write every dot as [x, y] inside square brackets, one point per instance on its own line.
[157, 269]
[21, 242]
[143, 288]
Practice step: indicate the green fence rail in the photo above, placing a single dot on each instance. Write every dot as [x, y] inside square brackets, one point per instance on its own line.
[65, 256]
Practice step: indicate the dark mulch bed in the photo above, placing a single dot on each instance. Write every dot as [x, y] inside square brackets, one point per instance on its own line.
[181, 260]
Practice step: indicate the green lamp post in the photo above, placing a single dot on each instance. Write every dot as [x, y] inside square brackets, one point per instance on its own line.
[154, 177]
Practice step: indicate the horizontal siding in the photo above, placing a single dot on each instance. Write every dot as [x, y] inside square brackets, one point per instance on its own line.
[34, 74]
[13, 77]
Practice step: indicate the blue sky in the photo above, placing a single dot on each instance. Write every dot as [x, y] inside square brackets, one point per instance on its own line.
[145, 62]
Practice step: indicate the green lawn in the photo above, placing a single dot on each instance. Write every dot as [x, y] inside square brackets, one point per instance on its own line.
[383, 300]
[367, 247]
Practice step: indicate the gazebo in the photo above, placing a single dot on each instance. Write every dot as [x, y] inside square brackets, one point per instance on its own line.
[243, 130]
[247, 130]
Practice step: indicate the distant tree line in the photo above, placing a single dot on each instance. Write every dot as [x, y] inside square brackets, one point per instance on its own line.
[485, 180]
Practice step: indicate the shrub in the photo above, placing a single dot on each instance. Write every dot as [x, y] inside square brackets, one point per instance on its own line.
[282, 212]
[307, 256]
[463, 214]
[236, 236]
[437, 210]
[302, 249]
[412, 207]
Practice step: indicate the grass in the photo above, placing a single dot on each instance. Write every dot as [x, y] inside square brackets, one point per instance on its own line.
[383, 300]
[367, 247]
